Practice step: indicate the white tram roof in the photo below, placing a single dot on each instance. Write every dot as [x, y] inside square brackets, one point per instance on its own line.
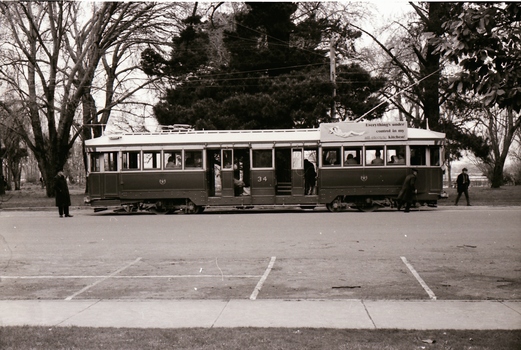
[245, 138]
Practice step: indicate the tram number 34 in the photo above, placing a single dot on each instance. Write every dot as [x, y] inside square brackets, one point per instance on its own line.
[262, 179]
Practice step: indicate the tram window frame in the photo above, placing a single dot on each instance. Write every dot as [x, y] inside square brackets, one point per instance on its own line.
[197, 158]
[95, 162]
[177, 155]
[418, 158]
[227, 159]
[328, 153]
[155, 157]
[311, 154]
[110, 161]
[435, 156]
[262, 158]
[374, 149]
[395, 151]
[127, 162]
[297, 159]
[356, 152]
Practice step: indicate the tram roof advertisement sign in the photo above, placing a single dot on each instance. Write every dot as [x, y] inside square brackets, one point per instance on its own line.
[364, 131]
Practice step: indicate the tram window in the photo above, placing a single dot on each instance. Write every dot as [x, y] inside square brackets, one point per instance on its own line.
[173, 159]
[111, 161]
[311, 155]
[262, 158]
[296, 159]
[152, 160]
[352, 156]
[193, 159]
[395, 155]
[95, 162]
[131, 160]
[331, 156]
[418, 155]
[227, 158]
[373, 156]
[435, 156]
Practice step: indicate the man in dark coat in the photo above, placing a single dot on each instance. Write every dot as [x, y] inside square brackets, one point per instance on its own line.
[463, 182]
[408, 191]
[310, 177]
[63, 199]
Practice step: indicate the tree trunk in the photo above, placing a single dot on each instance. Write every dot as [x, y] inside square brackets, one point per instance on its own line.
[2, 187]
[497, 174]
[9, 180]
[16, 171]
[430, 65]
[48, 176]
[449, 174]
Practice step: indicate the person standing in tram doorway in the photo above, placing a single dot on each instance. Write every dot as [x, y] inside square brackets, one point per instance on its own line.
[408, 191]
[463, 182]
[310, 177]
[63, 198]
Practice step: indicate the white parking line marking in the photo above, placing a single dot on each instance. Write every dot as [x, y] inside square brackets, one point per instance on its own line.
[419, 279]
[127, 277]
[257, 289]
[101, 280]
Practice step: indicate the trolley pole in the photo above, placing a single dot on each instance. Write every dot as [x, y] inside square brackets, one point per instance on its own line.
[332, 63]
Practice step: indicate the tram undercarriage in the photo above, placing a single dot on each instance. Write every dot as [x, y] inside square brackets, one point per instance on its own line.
[159, 207]
[187, 206]
[369, 204]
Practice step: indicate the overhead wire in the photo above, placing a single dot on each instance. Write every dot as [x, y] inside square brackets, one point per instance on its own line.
[229, 76]
[282, 43]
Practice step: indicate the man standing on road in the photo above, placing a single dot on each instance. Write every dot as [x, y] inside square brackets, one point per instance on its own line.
[463, 182]
[63, 199]
[408, 191]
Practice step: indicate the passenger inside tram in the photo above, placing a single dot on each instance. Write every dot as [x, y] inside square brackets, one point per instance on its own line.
[240, 176]
[378, 158]
[171, 163]
[350, 160]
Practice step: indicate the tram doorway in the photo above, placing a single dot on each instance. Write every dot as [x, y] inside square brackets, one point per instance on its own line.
[283, 171]
[214, 173]
[290, 170]
[310, 172]
[228, 172]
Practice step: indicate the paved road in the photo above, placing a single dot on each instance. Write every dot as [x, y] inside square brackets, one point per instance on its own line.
[433, 254]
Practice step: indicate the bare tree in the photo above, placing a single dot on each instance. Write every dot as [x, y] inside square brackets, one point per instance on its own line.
[500, 127]
[14, 150]
[51, 59]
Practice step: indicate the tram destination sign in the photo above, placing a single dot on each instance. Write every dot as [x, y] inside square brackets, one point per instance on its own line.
[365, 131]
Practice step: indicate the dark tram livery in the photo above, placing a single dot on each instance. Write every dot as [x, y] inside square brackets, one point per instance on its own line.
[360, 165]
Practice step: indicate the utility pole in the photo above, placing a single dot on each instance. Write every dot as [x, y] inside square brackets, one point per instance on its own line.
[332, 64]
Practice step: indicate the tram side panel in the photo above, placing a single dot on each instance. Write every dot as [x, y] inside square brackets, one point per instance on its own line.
[429, 184]
[164, 185]
[378, 183]
[263, 186]
[360, 183]
[105, 188]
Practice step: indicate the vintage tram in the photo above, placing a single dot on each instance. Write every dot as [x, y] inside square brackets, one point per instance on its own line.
[357, 165]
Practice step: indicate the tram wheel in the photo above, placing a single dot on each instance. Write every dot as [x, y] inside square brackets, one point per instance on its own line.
[161, 211]
[335, 206]
[128, 208]
[191, 208]
[365, 207]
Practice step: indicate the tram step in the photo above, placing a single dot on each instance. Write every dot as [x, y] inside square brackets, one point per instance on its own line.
[284, 188]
